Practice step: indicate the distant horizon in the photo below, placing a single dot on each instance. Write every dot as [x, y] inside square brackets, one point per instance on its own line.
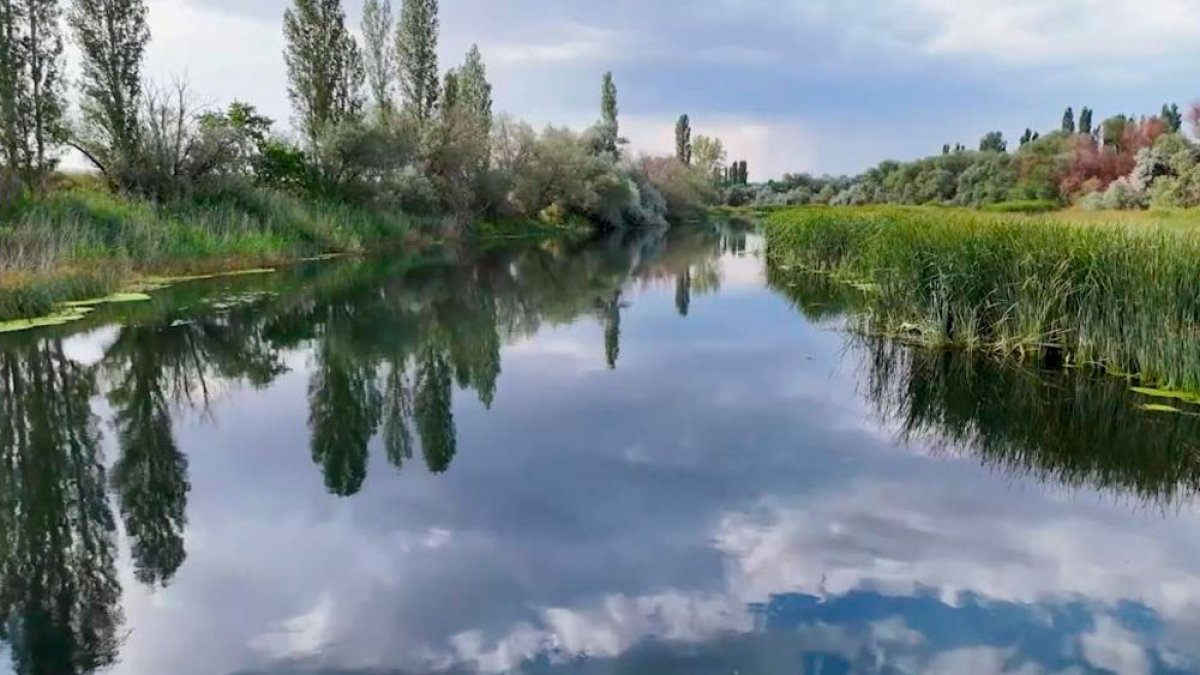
[790, 86]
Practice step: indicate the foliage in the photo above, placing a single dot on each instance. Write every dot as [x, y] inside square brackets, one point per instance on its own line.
[325, 68]
[993, 141]
[31, 89]
[416, 48]
[112, 36]
[683, 140]
[379, 55]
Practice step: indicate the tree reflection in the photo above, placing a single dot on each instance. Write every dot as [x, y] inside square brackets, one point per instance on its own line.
[344, 411]
[1070, 428]
[58, 587]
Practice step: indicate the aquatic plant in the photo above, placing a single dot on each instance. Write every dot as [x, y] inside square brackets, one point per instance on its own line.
[1120, 297]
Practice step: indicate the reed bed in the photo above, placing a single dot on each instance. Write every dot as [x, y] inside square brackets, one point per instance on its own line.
[1120, 297]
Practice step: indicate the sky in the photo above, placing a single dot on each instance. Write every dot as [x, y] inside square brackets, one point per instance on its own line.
[823, 86]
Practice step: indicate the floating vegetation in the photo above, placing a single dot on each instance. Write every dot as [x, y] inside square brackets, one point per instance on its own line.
[1185, 396]
[1159, 407]
[161, 282]
[115, 298]
[58, 319]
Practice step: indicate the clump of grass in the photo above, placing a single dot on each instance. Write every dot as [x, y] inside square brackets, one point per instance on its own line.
[1120, 297]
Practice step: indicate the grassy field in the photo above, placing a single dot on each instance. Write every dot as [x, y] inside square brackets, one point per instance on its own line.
[85, 243]
[1120, 291]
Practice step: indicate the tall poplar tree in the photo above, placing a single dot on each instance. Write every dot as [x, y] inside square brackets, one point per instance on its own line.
[683, 140]
[416, 48]
[474, 90]
[1068, 121]
[31, 88]
[611, 129]
[325, 71]
[379, 54]
[1085, 120]
[112, 36]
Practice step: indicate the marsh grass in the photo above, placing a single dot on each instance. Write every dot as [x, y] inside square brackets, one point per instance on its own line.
[1120, 297]
[82, 243]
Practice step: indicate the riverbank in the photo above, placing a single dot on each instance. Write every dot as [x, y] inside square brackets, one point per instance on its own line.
[1079, 290]
[81, 244]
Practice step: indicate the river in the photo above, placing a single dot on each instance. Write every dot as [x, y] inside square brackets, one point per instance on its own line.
[635, 455]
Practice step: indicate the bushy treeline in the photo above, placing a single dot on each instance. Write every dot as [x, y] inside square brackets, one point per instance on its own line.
[377, 123]
[1123, 162]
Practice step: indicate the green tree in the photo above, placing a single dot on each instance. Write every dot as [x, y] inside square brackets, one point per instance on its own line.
[708, 154]
[610, 127]
[1068, 121]
[1085, 120]
[112, 36]
[416, 47]
[31, 88]
[993, 141]
[325, 69]
[379, 54]
[1172, 117]
[474, 90]
[683, 140]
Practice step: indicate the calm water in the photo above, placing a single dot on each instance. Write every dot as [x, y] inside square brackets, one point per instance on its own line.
[628, 457]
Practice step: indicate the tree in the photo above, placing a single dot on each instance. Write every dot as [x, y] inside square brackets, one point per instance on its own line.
[708, 154]
[993, 141]
[610, 128]
[112, 36]
[325, 71]
[31, 88]
[1172, 117]
[1085, 120]
[683, 140]
[474, 90]
[1068, 121]
[379, 54]
[416, 47]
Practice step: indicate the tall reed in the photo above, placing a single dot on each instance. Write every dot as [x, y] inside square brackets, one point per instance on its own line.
[1126, 298]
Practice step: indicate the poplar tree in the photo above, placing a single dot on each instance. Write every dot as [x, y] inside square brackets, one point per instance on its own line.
[608, 115]
[1068, 121]
[325, 71]
[1085, 120]
[1172, 117]
[416, 49]
[474, 90]
[683, 140]
[379, 54]
[112, 36]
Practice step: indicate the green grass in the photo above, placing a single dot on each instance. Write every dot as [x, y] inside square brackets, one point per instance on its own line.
[1123, 296]
[81, 242]
[1024, 206]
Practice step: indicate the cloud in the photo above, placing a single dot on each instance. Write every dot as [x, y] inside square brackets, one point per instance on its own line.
[1024, 31]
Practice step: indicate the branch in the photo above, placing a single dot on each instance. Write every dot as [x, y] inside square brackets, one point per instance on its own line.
[90, 157]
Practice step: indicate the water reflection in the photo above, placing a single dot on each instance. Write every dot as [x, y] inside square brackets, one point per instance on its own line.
[758, 546]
